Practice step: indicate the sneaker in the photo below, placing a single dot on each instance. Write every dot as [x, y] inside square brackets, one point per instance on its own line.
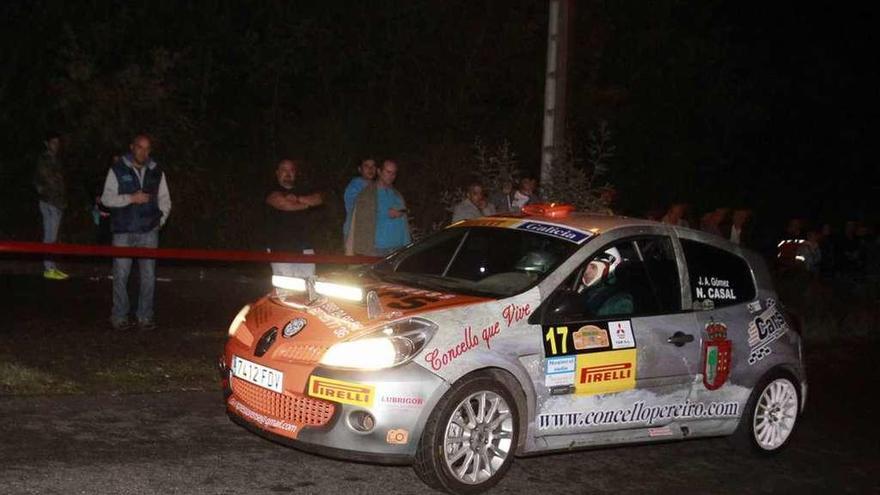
[54, 274]
[120, 324]
[146, 324]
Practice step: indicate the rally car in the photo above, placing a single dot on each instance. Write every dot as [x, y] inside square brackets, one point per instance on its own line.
[513, 335]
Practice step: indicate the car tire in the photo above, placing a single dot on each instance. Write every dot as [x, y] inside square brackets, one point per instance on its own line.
[771, 415]
[476, 424]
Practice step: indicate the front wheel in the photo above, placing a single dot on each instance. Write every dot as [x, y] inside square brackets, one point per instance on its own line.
[771, 415]
[470, 438]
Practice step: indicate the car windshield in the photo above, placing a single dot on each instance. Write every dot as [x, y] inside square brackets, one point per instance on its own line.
[485, 261]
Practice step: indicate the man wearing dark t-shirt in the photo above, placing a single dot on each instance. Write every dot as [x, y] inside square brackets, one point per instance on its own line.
[287, 226]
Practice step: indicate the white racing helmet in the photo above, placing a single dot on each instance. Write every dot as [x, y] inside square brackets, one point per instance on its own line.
[600, 267]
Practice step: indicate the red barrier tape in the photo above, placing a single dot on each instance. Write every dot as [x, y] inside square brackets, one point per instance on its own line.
[181, 254]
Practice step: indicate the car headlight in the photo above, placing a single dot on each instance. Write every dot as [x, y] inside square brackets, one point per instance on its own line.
[239, 319]
[395, 344]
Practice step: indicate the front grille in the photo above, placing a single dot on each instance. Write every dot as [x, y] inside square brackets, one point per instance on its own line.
[293, 408]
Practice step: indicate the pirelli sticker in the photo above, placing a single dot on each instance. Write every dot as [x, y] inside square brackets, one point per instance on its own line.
[356, 394]
[605, 372]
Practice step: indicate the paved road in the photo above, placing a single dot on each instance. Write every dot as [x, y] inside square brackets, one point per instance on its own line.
[182, 442]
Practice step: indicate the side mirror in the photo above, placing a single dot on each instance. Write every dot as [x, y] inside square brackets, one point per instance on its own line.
[564, 302]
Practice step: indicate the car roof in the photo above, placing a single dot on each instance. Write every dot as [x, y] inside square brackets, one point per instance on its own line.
[596, 223]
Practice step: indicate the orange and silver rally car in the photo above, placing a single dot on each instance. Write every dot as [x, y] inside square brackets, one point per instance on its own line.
[514, 335]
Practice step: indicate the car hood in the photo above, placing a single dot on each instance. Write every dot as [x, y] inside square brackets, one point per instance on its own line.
[328, 321]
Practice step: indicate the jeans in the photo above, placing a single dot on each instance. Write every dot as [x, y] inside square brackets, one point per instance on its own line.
[146, 269]
[51, 222]
[302, 270]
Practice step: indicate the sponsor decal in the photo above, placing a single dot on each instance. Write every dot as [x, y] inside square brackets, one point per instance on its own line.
[562, 390]
[489, 222]
[663, 431]
[513, 313]
[293, 327]
[621, 334]
[638, 413]
[510, 314]
[559, 371]
[403, 402]
[754, 307]
[716, 355]
[558, 231]
[764, 329]
[356, 394]
[438, 361]
[336, 318]
[606, 372]
[593, 337]
[397, 436]
[258, 418]
[716, 289]
[590, 337]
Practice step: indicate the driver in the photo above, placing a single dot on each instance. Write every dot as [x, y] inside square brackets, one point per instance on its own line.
[599, 284]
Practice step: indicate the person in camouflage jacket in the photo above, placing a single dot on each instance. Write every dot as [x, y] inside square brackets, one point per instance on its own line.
[49, 183]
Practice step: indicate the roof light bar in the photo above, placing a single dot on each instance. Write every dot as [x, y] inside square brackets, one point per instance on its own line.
[289, 283]
[329, 289]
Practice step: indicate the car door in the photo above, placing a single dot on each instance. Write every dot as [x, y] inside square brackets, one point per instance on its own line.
[619, 365]
[736, 329]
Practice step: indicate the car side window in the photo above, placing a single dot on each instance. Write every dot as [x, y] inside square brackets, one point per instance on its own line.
[658, 256]
[718, 278]
[613, 282]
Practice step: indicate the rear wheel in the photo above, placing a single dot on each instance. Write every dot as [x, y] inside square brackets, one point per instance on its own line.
[771, 415]
[470, 438]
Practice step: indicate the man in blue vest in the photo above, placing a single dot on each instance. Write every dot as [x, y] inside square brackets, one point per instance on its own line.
[136, 193]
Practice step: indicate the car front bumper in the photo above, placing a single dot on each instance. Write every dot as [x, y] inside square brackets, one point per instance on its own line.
[400, 401]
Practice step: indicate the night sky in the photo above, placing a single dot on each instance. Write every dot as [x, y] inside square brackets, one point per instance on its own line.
[768, 106]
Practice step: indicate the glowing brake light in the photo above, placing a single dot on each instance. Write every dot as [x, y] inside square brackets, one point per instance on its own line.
[552, 210]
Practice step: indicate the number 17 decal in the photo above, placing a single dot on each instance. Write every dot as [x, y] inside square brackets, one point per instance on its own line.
[556, 341]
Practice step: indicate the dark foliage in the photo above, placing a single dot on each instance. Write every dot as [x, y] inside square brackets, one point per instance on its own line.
[709, 101]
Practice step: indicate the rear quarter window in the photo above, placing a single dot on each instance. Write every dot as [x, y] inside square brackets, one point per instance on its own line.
[718, 278]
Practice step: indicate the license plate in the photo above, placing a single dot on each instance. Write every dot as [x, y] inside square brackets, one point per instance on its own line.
[257, 374]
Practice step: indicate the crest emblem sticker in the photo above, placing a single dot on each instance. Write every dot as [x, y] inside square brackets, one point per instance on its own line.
[716, 355]
[293, 327]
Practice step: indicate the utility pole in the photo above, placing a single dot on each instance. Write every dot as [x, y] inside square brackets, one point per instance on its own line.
[555, 83]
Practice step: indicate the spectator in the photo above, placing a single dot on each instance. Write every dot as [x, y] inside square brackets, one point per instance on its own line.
[525, 194]
[379, 224]
[136, 192]
[851, 258]
[714, 221]
[740, 231]
[676, 215]
[826, 248]
[367, 171]
[49, 182]
[501, 198]
[787, 247]
[101, 214]
[286, 222]
[607, 195]
[473, 205]
[655, 214]
[808, 252]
